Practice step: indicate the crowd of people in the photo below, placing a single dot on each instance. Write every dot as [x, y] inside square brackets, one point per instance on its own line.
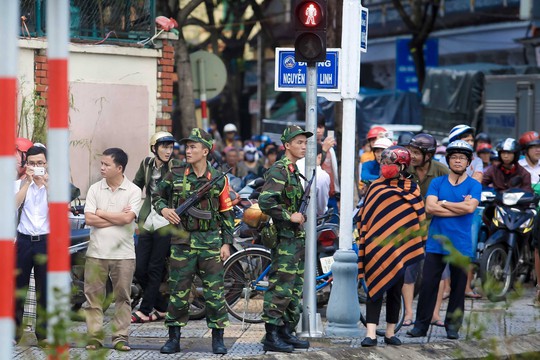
[450, 176]
[420, 200]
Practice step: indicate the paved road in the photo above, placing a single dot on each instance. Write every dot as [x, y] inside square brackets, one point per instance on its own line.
[497, 328]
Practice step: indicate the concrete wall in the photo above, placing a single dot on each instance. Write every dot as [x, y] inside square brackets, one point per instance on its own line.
[113, 101]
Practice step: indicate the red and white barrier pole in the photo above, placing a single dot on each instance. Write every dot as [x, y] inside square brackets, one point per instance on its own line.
[58, 279]
[9, 16]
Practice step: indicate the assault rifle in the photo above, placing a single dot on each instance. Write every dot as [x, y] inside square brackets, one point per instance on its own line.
[188, 205]
[307, 196]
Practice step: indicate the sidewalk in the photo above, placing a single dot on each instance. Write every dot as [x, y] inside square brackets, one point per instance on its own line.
[490, 328]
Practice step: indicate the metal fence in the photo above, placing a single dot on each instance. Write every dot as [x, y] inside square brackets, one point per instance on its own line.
[116, 20]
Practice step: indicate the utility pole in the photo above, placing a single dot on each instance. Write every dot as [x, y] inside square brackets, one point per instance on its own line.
[309, 17]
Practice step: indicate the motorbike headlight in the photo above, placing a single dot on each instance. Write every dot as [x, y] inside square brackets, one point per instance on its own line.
[527, 225]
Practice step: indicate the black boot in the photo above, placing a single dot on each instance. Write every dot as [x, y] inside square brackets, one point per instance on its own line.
[285, 332]
[173, 344]
[273, 342]
[218, 347]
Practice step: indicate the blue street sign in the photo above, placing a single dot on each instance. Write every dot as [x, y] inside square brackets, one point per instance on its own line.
[363, 29]
[292, 76]
[406, 78]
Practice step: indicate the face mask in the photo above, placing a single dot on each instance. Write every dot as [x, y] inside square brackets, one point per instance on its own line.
[250, 157]
[390, 171]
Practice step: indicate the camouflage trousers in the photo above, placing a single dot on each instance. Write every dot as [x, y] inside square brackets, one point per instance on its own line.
[185, 262]
[286, 278]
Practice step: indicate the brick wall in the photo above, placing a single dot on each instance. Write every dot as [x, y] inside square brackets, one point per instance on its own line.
[40, 78]
[165, 78]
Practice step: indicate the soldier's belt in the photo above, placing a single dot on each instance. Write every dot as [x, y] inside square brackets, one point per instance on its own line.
[199, 214]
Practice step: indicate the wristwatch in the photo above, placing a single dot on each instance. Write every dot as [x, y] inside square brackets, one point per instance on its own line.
[443, 202]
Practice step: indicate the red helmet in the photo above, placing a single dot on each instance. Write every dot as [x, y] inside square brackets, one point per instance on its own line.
[484, 148]
[23, 144]
[376, 132]
[397, 155]
[528, 139]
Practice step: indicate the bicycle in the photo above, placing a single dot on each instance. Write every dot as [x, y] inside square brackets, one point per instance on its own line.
[246, 280]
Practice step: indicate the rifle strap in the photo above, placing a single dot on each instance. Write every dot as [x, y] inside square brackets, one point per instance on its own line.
[184, 182]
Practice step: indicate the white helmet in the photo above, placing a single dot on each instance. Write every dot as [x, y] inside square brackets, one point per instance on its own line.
[458, 130]
[382, 143]
[230, 128]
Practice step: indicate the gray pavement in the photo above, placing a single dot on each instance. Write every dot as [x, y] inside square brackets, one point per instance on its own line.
[499, 329]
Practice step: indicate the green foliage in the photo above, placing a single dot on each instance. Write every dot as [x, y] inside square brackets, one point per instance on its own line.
[32, 118]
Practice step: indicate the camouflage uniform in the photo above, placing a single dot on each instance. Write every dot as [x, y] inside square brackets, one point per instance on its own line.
[196, 243]
[280, 197]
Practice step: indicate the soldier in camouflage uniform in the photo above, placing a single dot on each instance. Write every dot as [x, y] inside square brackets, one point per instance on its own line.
[280, 198]
[198, 245]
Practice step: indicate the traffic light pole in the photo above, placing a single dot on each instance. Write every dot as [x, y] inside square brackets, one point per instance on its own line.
[343, 310]
[311, 325]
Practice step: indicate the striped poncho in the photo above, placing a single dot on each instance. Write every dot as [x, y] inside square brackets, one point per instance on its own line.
[392, 232]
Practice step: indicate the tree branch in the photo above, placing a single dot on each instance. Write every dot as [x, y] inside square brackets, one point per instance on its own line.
[404, 16]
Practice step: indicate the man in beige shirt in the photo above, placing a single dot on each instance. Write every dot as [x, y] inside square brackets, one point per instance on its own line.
[112, 205]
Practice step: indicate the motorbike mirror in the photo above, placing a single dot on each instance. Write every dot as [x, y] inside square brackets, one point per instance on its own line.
[255, 183]
[254, 195]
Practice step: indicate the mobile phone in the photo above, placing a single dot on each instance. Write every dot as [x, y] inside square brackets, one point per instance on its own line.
[331, 133]
[39, 171]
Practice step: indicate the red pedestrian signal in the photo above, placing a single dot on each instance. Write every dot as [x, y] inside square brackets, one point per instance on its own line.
[309, 18]
[309, 13]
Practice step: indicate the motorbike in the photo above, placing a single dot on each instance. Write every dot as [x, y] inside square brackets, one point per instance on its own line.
[507, 254]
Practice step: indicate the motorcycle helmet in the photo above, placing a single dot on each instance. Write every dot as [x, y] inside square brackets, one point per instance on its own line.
[376, 132]
[254, 217]
[22, 145]
[484, 148]
[161, 137]
[405, 138]
[396, 155]
[459, 131]
[509, 145]
[482, 137]
[528, 139]
[382, 143]
[230, 128]
[424, 142]
[459, 147]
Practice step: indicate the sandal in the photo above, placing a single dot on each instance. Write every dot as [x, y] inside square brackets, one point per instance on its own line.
[438, 323]
[122, 346]
[156, 316]
[93, 345]
[473, 295]
[137, 319]
[408, 322]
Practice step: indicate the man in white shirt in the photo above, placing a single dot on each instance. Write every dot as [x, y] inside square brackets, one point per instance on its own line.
[322, 181]
[32, 235]
[111, 207]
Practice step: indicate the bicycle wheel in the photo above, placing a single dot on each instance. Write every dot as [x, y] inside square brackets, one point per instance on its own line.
[246, 280]
[381, 328]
